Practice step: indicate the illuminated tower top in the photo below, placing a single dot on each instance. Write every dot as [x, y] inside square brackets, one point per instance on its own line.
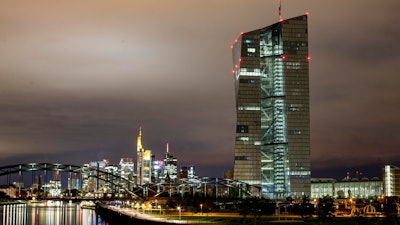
[139, 141]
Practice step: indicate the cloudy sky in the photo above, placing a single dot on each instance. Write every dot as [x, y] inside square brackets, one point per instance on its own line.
[79, 77]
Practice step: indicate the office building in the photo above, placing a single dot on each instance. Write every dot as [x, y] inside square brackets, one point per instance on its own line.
[187, 172]
[143, 164]
[391, 180]
[272, 147]
[157, 170]
[346, 188]
[170, 167]
[126, 172]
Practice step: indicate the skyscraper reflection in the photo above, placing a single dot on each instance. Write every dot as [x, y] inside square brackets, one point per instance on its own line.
[48, 213]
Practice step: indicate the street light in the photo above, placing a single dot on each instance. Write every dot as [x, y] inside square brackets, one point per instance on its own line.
[159, 207]
[201, 208]
[179, 209]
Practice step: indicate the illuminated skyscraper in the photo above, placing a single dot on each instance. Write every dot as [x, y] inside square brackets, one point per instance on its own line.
[391, 180]
[170, 167]
[126, 171]
[143, 164]
[272, 147]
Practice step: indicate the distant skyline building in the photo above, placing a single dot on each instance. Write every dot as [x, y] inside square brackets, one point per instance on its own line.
[170, 167]
[126, 171]
[187, 172]
[89, 172]
[272, 147]
[157, 170]
[143, 164]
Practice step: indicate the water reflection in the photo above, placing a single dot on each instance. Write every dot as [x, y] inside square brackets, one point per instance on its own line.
[48, 213]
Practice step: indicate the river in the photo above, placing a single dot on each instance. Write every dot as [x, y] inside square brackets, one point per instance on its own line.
[48, 213]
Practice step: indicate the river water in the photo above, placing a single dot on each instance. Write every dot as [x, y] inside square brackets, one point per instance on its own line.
[48, 213]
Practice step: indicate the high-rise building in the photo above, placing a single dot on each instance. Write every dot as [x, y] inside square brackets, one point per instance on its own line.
[139, 160]
[187, 172]
[93, 176]
[391, 180]
[126, 169]
[170, 167]
[157, 170]
[143, 164]
[272, 147]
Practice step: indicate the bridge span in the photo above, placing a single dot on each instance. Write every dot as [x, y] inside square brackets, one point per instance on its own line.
[95, 181]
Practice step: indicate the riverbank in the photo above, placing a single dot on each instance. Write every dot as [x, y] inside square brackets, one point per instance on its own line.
[11, 202]
[118, 215]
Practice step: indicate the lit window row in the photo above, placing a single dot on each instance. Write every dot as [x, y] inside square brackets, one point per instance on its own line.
[249, 108]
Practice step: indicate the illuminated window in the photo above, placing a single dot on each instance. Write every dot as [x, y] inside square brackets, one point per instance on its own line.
[242, 138]
[295, 132]
[293, 109]
[251, 52]
[249, 108]
[242, 129]
[248, 81]
[241, 158]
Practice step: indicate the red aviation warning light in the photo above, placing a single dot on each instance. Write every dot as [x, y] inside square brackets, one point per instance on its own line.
[283, 57]
[308, 58]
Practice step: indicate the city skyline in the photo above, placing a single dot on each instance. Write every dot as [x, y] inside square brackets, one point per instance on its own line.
[79, 78]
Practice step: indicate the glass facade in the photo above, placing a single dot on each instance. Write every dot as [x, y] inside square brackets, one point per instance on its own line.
[351, 188]
[391, 180]
[272, 147]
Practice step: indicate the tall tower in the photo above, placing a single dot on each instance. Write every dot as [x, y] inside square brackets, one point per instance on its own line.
[143, 164]
[272, 147]
[170, 166]
[140, 154]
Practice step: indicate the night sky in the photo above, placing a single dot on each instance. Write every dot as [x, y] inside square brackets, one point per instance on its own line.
[79, 77]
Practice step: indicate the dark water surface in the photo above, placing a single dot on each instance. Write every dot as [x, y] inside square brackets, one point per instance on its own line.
[48, 213]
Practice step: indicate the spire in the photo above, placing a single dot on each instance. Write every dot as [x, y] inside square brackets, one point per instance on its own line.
[139, 140]
[280, 11]
[167, 147]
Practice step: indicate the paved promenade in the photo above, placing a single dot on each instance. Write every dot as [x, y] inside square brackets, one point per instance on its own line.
[153, 217]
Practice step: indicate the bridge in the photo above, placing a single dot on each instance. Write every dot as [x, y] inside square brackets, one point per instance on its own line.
[95, 181]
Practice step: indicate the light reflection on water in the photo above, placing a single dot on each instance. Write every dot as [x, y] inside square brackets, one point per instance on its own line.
[59, 213]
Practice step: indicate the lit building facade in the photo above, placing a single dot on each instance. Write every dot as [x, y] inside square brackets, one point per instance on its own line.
[187, 172]
[391, 180]
[111, 176]
[157, 170]
[170, 167]
[272, 147]
[126, 171]
[90, 181]
[347, 188]
[143, 164]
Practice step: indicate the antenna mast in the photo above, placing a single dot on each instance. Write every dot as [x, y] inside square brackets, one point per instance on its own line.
[280, 10]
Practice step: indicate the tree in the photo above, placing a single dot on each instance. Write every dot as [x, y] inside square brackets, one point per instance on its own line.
[255, 207]
[390, 210]
[325, 209]
[305, 209]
